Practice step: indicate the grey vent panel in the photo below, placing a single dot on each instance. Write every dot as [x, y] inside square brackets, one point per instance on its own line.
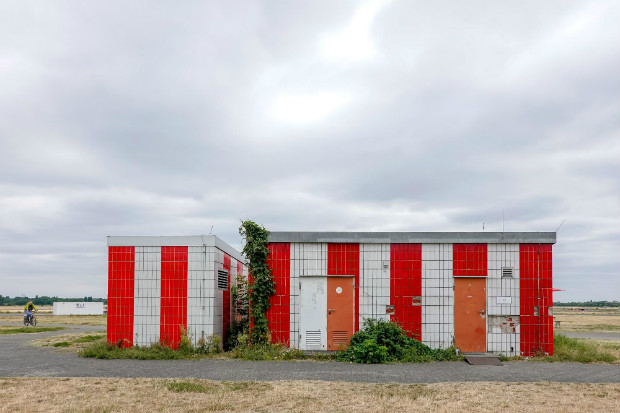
[507, 272]
[222, 279]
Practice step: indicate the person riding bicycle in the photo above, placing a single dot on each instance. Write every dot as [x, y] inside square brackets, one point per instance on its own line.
[29, 309]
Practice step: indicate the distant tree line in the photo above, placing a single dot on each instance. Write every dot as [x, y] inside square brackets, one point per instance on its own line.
[589, 304]
[45, 300]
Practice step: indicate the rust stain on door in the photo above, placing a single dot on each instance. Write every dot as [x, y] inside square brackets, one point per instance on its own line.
[340, 312]
[470, 331]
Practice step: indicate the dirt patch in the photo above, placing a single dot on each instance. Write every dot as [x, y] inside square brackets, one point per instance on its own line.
[130, 395]
[72, 342]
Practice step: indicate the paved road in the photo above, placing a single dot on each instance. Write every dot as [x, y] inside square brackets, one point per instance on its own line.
[20, 358]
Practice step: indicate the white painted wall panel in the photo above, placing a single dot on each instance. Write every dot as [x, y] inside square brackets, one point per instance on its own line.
[313, 313]
[77, 308]
[306, 259]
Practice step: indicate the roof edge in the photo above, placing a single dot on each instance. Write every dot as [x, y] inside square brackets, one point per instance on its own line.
[416, 237]
[174, 241]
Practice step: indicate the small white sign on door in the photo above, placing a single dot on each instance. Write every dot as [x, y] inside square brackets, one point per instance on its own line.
[504, 300]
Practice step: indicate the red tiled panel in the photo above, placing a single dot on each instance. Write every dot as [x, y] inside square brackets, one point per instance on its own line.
[469, 260]
[535, 290]
[406, 283]
[344, 259]
[278, 315]
[173, 316]
[120, 295]
[226, 300]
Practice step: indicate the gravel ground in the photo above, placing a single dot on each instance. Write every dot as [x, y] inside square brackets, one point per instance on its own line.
[18, 358]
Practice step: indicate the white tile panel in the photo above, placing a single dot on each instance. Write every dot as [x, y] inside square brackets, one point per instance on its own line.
[374, 288]
[437, 295]
[499, 256]
[147, 295]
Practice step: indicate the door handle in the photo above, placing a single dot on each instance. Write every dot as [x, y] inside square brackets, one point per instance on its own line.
[330, 310]
[481, 312]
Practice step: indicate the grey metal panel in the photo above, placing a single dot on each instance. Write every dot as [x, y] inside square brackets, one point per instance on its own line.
[228, 250]
[416, 237]
[173, 241]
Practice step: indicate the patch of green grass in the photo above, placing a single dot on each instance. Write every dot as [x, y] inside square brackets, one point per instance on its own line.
[577, 350]
[83, 339]
[103, 350]
[88, 339]
[186, 387]
[20, 330]
[216, 387]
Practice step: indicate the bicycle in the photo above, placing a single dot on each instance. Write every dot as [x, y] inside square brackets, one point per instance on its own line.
[29, 319]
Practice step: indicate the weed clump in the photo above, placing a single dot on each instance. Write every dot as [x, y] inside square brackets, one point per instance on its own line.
[381, 341]
[159, 351]
[578, 350]
[264, 351]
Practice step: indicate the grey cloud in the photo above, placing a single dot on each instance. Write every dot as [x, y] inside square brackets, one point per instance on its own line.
[126, 118]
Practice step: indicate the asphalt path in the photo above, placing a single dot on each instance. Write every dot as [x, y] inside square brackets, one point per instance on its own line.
[20, 358]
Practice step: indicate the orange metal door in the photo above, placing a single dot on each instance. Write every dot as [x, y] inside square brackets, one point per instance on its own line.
[340, 312]
[470, 323]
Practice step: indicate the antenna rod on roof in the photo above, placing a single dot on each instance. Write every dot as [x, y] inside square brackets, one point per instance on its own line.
[210, 232]
[562, 223]
[502, 219]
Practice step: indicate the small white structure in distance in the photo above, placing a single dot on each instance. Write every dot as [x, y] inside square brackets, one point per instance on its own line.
[78, 308]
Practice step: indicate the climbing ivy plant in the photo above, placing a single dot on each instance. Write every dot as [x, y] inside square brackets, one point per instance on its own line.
[261, 286]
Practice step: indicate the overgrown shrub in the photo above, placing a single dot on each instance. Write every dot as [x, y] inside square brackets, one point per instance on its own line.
[381, 341]
[261, 286]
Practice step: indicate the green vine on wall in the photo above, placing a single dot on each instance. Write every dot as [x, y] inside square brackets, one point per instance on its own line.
[261, 286]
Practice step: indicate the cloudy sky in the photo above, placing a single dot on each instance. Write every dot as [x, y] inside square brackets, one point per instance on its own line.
[177, 118]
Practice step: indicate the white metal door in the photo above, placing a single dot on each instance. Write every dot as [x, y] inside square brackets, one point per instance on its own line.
[313, 313]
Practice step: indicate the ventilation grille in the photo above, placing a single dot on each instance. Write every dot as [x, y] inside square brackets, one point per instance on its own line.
[506, 272]
[340, 338]
[313, 338]
[222, 279]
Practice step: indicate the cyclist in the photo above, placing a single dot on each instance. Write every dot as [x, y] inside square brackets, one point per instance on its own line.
[29, 308]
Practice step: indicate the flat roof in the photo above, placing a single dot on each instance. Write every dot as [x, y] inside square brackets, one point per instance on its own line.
[416, 237]
[174, 241]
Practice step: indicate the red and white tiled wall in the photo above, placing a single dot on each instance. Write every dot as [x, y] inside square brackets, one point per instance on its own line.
[412, 284]
[156, 291]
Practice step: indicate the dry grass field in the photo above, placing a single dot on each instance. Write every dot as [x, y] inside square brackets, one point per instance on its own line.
[17, 309]
[587, 319]
[131, 395]
[47, 319]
